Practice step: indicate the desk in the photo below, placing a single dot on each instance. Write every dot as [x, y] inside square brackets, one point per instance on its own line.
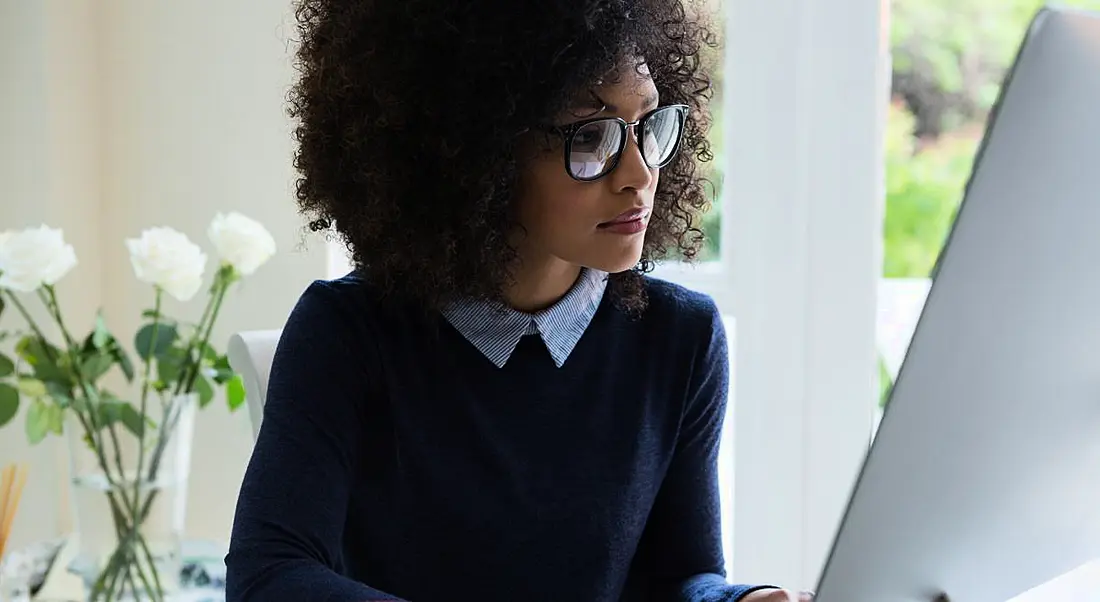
[43, 566]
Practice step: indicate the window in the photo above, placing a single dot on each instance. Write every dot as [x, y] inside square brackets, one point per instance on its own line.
[802, 114]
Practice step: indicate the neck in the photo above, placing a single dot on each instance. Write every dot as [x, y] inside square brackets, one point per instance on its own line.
[541, 285]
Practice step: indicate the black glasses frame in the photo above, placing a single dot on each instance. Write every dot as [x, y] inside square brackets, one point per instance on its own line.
[569, 131]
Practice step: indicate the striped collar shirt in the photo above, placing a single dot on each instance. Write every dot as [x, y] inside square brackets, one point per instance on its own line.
[495, 329]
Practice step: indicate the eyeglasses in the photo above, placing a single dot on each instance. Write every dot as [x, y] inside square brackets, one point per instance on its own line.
[593, 147]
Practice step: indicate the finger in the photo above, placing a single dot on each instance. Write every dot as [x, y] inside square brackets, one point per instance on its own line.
[805, 597]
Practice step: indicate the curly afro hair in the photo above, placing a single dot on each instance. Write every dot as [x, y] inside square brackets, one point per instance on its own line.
[408, 114]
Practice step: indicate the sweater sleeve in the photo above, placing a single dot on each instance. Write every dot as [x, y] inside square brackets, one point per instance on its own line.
[288, 529]
[684, 530]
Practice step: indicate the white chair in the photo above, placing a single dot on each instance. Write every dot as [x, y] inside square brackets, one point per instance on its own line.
[250, 354]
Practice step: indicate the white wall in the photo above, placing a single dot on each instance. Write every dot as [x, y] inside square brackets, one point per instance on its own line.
[122, 114]
[48, 140]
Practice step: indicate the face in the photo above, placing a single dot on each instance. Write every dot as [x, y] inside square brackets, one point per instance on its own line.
[598, 224]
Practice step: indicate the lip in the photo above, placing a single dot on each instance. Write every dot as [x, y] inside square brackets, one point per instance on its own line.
[628, 216]
[632, 221]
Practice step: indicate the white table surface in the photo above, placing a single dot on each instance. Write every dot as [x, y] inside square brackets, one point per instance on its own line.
[204, 571]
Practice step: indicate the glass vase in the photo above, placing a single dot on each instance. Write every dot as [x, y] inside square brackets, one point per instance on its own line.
[129, 494]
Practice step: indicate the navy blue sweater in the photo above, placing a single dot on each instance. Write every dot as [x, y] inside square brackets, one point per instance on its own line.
[396, 462]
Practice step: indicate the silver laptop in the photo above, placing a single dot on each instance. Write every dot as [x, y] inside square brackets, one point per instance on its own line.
[984, 478]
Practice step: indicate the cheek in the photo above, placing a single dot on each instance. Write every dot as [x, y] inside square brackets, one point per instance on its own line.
[550, 201]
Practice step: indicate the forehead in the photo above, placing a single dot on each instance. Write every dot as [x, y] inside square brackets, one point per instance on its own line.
[629, 84]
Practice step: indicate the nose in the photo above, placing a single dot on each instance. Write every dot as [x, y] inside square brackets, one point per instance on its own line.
[632, 172]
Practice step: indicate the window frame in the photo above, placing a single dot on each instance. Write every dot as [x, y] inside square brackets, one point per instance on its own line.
[800, 261]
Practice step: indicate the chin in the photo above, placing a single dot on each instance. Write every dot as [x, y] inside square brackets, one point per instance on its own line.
[613, 264]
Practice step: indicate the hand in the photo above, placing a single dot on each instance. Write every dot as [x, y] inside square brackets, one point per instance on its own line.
[778, 595]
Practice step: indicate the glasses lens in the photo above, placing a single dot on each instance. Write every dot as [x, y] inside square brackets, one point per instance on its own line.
[662, 136]
[594, 149]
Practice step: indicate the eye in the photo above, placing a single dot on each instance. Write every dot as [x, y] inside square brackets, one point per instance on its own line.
[586, 137]
[597, 136]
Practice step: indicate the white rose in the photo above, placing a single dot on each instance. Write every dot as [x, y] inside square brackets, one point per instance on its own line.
[34, 257]
[168, 259]
[241, 241]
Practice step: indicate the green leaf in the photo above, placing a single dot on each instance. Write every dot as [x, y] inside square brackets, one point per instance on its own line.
[205, 391]
[63, 396]
[9, 403]
[131, 419]
[41, 356]
[30, 348]
[96, 366]
[123, 360]
[2, 305]
[31, 387]
[223, 372]
[170, 365]
[55, 418]
[101, 337]
[38, 421]
[234, 393]
[143, 340]
[116, 410]
[7, 367]
[886, 382]
[108, 412]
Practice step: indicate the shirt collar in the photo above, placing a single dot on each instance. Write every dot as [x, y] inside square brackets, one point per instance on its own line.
[495, 329]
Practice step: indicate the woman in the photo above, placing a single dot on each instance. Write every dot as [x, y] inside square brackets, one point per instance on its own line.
[497, 404]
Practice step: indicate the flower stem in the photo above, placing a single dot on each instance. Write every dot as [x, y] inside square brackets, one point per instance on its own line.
[125, 568]
[186, 383]
[49, 298]
[124, 563]
[144, 545]
[222, 281]
[93, 434]
[145, 395]
[30, 322]
[193, 342]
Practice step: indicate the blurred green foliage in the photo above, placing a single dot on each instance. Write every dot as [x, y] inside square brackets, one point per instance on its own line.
[714, 173]
[949, 57]
[923, 190]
